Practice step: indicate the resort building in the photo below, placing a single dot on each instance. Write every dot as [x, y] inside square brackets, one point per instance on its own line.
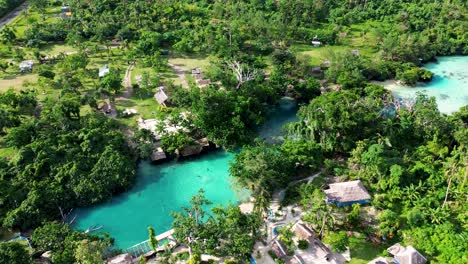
[26, 66]
[406, 255]
[161, 96]
[347, 193]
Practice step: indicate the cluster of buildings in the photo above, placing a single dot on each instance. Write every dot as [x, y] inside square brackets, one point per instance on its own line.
[341, 194]
[198, 76]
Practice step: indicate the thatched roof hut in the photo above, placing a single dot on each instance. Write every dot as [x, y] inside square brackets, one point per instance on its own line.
[161, 96]
[103, 71]
[26, 66]
[347, 193]
[406, 255]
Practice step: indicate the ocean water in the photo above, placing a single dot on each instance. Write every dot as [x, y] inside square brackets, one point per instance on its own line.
[449, 85]
[165, 188]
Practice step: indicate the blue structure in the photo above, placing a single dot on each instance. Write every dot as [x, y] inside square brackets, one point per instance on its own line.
[347, 193]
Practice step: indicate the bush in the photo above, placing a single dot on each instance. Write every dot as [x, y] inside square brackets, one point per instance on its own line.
[195, 259]
[338, 241]
[303, 244]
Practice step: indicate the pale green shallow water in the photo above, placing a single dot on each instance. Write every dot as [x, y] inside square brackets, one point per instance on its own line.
[449, 86]
[162, 189]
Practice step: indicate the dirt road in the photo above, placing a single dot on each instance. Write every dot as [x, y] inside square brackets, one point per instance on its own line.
[13, 14]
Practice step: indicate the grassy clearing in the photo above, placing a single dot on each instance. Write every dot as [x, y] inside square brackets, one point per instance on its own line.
[56, 48]
[358, 37]
[363, 251]
[190, 62]
[7, 152]
[16, 81]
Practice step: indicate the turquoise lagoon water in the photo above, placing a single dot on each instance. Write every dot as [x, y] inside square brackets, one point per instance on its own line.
[162, 189]
[449, 86]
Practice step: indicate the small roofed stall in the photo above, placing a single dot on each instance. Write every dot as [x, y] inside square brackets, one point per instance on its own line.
[103, 71]
[26, 66]
[316, 43]
[406, 255]
[160, 96]
[347, 193]
[279, 249]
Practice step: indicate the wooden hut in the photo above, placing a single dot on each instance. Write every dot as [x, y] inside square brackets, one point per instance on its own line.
[406, 255]
[103, 71]
[26, 66]
[161, 96]
[347, 193]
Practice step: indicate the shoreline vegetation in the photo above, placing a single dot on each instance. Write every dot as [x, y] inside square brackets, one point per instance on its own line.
[88, 88]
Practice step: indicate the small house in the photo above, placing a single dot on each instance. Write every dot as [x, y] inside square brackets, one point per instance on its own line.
[355, 52]
[103, 71]
[406, 255]
[279, 249]
[26, 66]
[129, 112]
[196, 71]
[347, 193]
[316, 43]
[160, 96]
[66, 9]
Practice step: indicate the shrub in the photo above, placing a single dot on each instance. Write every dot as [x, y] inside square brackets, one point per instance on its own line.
[302, 244]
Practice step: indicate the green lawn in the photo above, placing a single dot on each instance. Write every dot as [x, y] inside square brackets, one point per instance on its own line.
[363, 251]
[359, 37]
[8, 81]
[190, 62]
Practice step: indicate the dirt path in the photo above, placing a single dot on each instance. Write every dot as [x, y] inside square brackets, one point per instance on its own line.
[180, 73]
[13, 14]
[127, 84]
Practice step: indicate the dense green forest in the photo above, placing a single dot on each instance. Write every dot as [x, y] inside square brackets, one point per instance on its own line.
[65, 154]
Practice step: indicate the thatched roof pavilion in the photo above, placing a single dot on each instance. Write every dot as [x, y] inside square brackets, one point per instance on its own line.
[347, 193]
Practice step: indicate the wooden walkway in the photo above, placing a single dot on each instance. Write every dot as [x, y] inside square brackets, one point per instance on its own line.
[144, 247]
